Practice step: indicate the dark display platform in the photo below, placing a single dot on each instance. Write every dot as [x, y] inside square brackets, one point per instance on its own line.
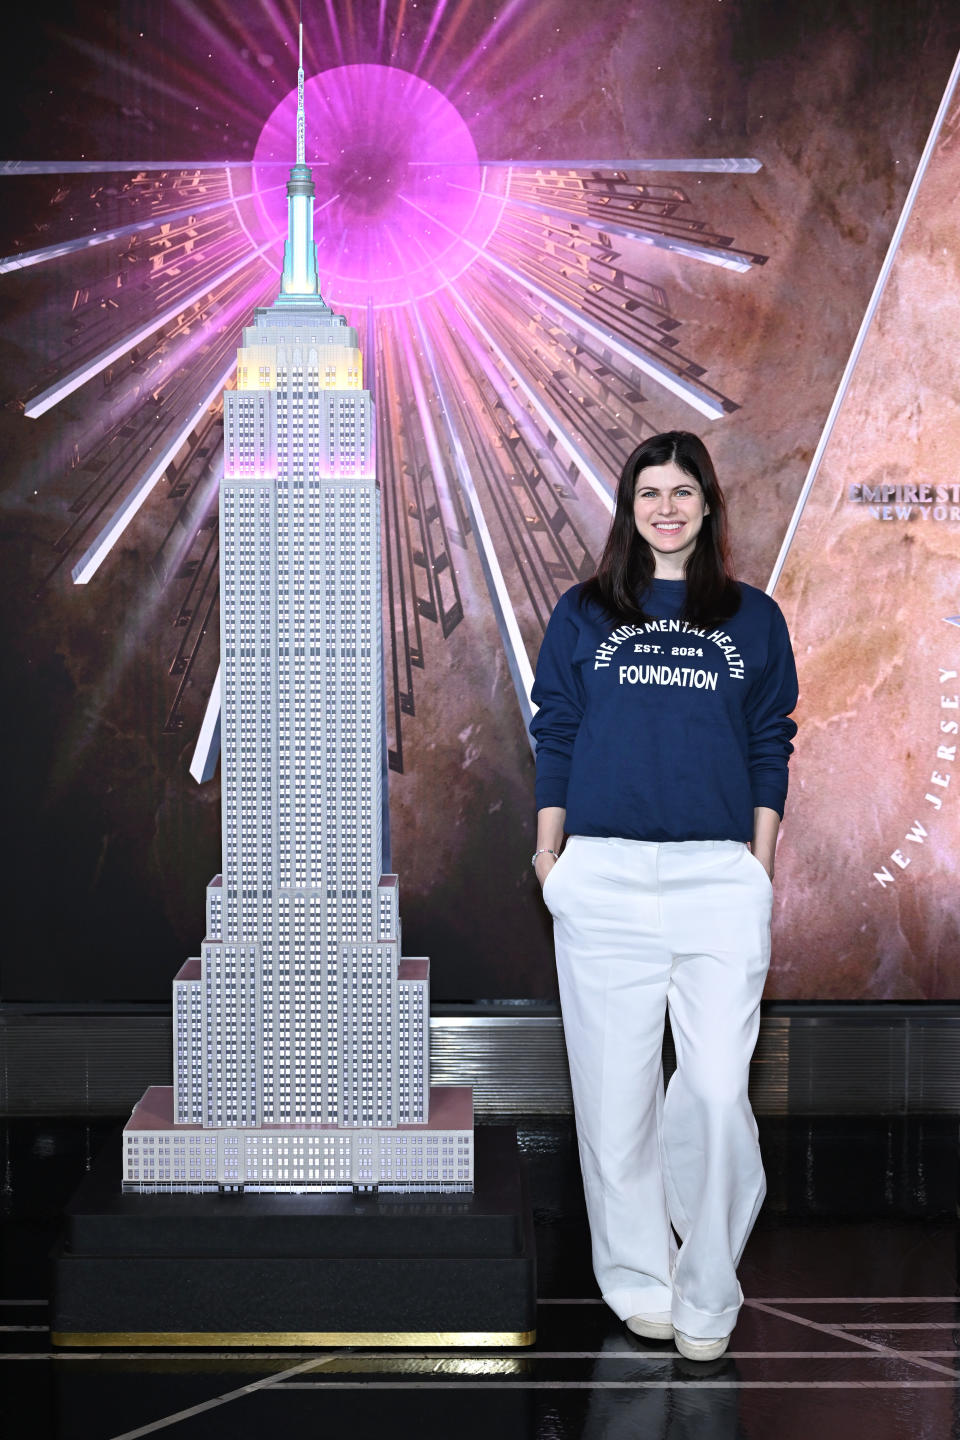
[300, 1270]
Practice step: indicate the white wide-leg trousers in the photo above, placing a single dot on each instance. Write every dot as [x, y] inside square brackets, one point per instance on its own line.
[641, 927]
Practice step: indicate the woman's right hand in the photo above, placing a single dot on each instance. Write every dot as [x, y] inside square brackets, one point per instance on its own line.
[544, 865]
[550, 824]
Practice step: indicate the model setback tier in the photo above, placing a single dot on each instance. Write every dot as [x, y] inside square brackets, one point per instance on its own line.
[301, 1037]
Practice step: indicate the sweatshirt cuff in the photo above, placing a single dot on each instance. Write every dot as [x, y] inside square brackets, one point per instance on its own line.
[770, 797]
[549, 792]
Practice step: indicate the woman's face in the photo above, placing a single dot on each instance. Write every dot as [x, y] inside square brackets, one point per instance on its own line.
[668, 511]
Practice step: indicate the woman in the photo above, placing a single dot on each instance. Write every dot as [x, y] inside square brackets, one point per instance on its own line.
[663, 689]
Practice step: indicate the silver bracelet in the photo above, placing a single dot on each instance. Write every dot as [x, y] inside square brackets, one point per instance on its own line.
[545, 851]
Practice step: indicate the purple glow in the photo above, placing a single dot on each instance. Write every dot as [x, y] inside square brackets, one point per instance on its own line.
[387, 138]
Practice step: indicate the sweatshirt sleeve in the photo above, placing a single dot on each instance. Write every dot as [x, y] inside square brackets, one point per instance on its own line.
[769, 727]
[558, 694]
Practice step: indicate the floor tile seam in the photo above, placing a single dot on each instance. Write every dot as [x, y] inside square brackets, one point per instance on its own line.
[679, 1384]
[253, 1388]
[791, 1300]
[838, 1334]
[682, 1383]
[897, 1325]
[855, 1300]
[245, 1356]
[653, 1356]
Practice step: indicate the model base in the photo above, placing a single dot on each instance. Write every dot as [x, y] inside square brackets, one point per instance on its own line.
[434, 1156]
[253, 1269]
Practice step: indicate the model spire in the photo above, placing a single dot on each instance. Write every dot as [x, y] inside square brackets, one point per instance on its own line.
[301, 116]
[300, 278]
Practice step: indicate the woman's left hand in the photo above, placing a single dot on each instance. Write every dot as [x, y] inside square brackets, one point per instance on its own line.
[766, 824]
[767, 864]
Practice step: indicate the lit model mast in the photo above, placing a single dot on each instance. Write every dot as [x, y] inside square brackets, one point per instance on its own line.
[301, 1037]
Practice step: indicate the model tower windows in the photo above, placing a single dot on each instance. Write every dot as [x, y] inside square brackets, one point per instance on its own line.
[301, 1037]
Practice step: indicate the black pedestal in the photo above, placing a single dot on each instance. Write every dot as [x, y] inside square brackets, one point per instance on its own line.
[252, 1269]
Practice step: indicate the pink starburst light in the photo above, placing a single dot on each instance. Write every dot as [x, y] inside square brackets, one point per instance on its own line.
[403, 204]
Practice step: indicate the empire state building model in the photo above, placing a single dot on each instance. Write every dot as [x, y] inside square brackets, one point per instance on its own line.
[301, 1038]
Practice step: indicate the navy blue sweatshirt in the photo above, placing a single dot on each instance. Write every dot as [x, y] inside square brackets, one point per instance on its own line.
[663, 731]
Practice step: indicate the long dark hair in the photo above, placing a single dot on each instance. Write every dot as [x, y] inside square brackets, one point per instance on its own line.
[627, 563]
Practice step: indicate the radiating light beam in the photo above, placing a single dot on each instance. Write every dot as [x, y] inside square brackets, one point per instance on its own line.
[335, 30]
[100, 237]
[94, 556]
[398, 29]
[201, 502]
[505, 13]
[684, 390]
[579, 459]
[447, 39]
[427, 427]
[725, 259]
[123, 167]
[868, 314]
[206, 752]
[660, 374]
[745, 166]
[521, 671]
[66, 385]
[435, 19]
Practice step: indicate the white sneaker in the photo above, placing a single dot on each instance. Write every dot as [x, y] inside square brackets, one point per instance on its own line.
[656, 1326]
[693, 1349]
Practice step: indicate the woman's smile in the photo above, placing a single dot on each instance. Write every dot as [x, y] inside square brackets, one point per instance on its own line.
[668, 511]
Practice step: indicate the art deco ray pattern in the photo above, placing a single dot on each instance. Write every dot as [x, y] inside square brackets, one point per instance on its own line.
[517, 338]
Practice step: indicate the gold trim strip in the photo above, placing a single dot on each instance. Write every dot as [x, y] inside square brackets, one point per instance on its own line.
[301, 1339]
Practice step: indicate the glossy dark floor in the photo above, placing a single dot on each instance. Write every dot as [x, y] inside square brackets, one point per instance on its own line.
[851, 1326]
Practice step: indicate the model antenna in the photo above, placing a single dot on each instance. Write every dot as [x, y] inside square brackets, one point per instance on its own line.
[301, 119]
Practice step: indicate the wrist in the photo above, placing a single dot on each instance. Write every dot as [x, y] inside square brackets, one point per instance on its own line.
[765, 857]
[543, 850]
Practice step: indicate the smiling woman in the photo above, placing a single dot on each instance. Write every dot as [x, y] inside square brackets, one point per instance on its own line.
[670, 778]
[668, 510]
[669, 523]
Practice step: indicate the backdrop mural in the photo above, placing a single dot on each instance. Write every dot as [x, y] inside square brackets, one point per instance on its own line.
[870, 860]
[560, 234]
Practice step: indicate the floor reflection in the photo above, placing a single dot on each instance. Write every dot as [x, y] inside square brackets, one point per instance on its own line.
[661, 1396]
[851, 1327]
